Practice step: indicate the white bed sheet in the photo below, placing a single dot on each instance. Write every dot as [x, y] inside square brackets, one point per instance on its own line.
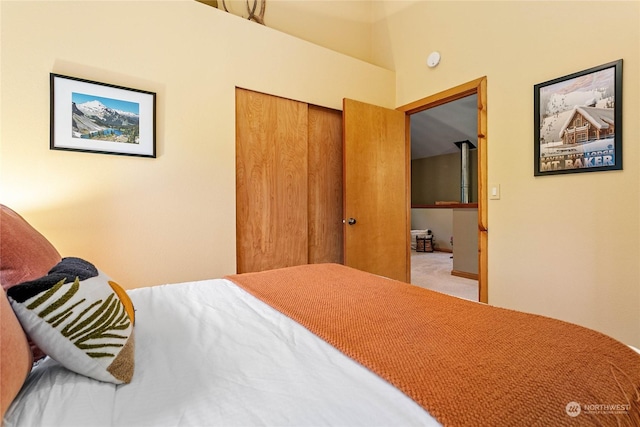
[210, 354]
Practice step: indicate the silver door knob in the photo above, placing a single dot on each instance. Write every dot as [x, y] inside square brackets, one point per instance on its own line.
[351, 221]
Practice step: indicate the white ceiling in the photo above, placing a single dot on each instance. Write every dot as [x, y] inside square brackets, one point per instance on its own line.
[435, 131]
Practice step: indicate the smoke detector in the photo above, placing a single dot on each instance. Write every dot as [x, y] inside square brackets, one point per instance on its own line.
[433, 59]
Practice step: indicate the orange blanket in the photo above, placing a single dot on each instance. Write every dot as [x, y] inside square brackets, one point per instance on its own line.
[467, 363]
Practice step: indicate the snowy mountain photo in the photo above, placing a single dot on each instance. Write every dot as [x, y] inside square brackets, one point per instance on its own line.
[92, 119]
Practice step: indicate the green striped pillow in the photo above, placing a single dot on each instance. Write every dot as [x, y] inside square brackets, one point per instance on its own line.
[80, 318]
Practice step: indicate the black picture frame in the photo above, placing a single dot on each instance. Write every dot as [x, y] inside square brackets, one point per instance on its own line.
[578, 122]
[94, 117]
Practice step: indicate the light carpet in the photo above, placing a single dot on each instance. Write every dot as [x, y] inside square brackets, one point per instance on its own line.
[432, 270]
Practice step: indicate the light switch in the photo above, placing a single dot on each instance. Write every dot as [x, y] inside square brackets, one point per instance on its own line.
[494, 192]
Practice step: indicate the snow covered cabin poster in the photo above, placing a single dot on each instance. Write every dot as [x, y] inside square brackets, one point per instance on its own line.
[578, 122]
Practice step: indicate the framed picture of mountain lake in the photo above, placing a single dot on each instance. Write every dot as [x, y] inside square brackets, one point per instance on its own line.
[101, 118]
[578, 122]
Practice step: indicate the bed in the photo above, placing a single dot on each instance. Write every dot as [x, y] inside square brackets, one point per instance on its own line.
[306, 345]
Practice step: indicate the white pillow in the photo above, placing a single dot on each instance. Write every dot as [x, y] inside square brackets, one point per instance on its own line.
[80, 318]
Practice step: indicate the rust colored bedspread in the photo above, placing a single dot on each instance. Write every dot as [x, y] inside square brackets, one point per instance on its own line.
[468, 364]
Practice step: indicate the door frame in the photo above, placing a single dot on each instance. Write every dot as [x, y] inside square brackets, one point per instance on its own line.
[479, 87]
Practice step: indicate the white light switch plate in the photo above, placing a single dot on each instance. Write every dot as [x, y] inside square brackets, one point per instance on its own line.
[494, 192]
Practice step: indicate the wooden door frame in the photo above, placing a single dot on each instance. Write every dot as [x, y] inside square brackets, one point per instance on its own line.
[479, 87]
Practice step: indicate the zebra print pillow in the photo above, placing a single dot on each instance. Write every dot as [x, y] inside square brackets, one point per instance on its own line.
[80, 318]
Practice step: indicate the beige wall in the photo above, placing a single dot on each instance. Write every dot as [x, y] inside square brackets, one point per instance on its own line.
[438, 178]
[566, 246]
[151, 221]
[439, 221]
[465, 241]
[343, 26]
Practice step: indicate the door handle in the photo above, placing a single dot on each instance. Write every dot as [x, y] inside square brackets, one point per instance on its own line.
[350, 221]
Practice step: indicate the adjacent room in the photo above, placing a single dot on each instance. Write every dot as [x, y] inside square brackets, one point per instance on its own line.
[444, 198]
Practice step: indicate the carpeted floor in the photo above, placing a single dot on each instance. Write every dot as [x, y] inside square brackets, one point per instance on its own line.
[432, 270]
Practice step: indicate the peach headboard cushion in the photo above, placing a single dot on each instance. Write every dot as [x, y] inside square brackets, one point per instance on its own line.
[15, 355]
[25, 254]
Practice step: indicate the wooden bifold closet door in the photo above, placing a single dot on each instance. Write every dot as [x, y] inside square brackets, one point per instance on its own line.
[288, 183]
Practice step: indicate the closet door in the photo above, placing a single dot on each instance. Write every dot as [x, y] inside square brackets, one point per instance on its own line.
[271, 182]
[325, 185]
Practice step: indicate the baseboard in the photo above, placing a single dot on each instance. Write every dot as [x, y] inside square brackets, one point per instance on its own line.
[464, 274]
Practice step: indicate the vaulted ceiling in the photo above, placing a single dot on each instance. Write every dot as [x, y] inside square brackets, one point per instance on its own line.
[435, 131]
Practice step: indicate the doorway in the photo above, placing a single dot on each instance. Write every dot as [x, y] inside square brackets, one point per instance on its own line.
[478, 88]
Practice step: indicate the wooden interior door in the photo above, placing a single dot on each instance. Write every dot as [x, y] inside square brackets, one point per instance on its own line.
[325, 185]
[376, 190]
[271, 181]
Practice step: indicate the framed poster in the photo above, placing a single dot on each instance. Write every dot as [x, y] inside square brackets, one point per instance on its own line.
[101, 118]
[578, 122]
